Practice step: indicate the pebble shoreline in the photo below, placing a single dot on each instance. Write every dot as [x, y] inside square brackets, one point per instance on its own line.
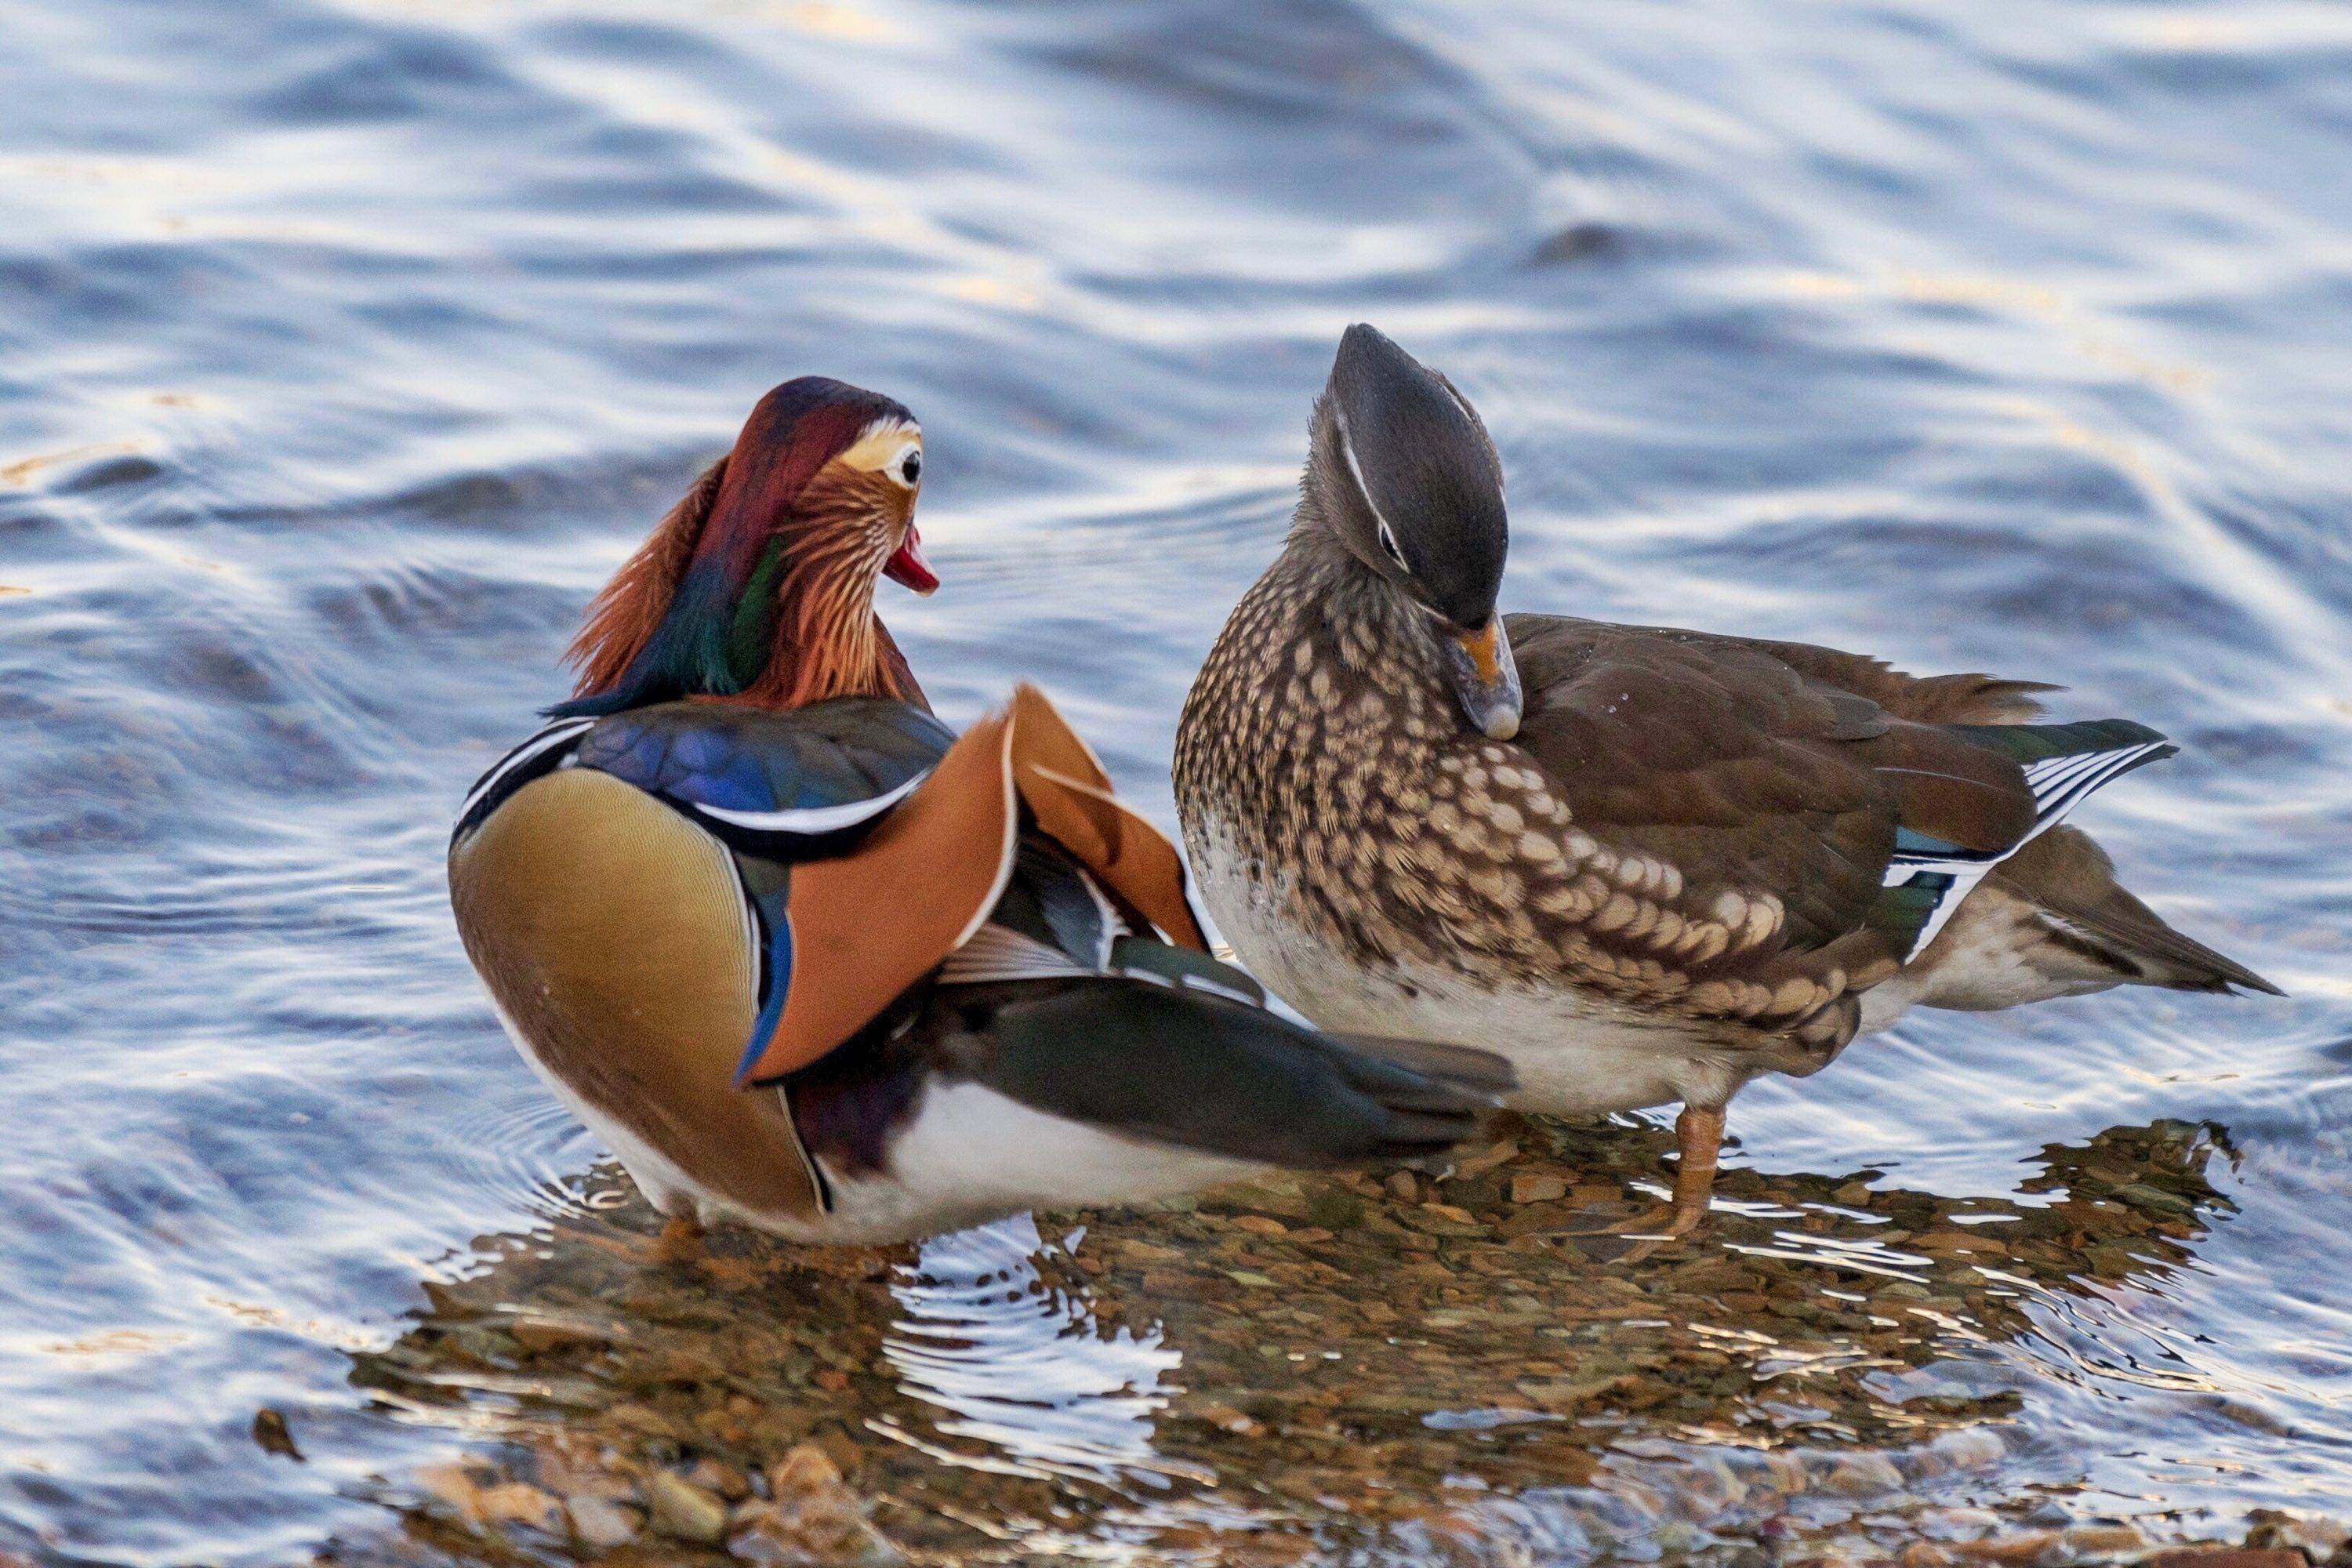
[1389, 1367]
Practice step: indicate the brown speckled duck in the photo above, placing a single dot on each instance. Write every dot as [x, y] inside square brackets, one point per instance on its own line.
[805, 958]
[1645, 864]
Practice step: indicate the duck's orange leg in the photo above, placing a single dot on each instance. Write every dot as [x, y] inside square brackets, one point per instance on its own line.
[1698, 1135]
[1698, 1138]
[681, 1240]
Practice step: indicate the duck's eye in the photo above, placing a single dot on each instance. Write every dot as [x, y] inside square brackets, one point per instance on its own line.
[1395, 552]
[906, 467]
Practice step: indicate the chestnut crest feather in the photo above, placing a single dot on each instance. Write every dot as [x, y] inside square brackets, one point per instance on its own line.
[758, 584]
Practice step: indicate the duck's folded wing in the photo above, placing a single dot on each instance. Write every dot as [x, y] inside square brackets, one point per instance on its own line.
[1721, 763]
[859, 927]
[1941, 855]
[784, 786]
[1969, 698]
[1761, 844]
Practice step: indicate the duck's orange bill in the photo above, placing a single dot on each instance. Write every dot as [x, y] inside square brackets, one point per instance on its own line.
[868, 925]
[1480, 646]
[908, 565]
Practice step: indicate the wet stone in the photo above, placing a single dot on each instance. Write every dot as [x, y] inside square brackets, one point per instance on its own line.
[2103, 1541]
[600, 1523]
[684, 1511]
[810, 1516]
[1536, 1187]
[271, 1432]
[519, 1502]
[1364, 1376]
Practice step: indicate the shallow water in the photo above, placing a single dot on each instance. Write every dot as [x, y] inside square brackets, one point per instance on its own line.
[348, 347]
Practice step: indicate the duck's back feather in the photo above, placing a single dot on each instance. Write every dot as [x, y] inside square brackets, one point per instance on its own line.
[1829, 835]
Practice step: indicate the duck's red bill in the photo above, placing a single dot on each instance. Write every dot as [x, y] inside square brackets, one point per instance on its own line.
[907, 565]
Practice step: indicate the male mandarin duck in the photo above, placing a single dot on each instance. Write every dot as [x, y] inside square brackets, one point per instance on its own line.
[806, 959]
[1645, 864]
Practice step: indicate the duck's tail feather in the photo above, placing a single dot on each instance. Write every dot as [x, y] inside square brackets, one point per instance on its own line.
[1927, 880]
[2071, 884]
[1457, 1067]
[2150, 952]
[1212, 1074]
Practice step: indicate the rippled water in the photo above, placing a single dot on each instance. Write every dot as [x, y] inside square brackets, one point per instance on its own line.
[345, 349]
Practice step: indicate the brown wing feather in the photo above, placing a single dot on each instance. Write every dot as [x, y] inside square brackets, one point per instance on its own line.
[1944, 786]
[1720, 761]
[1922, 698]
[1775, 794]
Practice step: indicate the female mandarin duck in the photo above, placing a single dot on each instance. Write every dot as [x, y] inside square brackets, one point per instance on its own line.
[806, 959]
[1645, 864]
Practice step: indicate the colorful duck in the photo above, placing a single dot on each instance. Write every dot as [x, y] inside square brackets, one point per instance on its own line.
[806, 959]
[1645, 864]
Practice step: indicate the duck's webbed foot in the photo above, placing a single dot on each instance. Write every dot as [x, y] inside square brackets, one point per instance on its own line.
[1698, 1135]
[681, 1240]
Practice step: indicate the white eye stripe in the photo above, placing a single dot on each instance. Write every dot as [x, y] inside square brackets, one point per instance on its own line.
[1356, 472]
[881, 444]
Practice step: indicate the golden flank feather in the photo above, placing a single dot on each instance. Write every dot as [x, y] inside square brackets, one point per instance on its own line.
[609, 930]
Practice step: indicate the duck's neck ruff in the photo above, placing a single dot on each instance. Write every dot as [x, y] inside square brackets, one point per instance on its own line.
[1367, 628]
[826, 640]
[778, 621]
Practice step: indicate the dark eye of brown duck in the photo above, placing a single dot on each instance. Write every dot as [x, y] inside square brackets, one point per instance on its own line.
[911, 469]
[1395, 552]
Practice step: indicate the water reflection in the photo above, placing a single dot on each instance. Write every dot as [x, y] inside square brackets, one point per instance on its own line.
[1019, 1364]
[1294, 1356]
[350, 345]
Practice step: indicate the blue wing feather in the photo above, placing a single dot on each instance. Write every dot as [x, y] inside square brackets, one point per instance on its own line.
[775, 979]
[787, 785]
[742, 772]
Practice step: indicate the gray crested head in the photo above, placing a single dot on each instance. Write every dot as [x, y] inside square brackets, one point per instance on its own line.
[1403, 470]
[1400, 471]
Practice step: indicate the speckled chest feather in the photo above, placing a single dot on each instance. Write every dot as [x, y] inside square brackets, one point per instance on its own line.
[1318, 736]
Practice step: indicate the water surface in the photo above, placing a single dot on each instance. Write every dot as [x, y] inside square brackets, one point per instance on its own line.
[345, 349]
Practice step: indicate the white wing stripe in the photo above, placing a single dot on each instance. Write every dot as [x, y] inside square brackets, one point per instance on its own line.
[2059, 784]
[812, 819]
[2057, 804]
[538, 745]
[999, 953]
[2051, 780]
[2052, 774]
[1113, 925]
[1964, 882]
